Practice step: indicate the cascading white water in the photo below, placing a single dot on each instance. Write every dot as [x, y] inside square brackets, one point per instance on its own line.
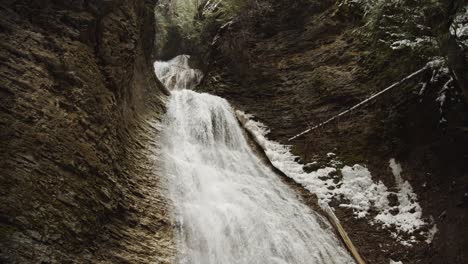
[176, 73]
[230, 207]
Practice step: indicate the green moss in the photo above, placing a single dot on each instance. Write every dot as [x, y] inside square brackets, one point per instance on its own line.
[6, 231]
[353, 158]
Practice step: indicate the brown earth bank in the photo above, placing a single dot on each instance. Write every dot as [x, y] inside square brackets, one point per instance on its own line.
[301, 63]
[77, 89]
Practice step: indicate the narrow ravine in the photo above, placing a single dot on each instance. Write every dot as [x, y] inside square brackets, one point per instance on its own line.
[230, 208]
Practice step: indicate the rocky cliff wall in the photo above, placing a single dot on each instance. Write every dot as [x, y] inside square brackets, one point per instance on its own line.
[77, 92]
[300, 63]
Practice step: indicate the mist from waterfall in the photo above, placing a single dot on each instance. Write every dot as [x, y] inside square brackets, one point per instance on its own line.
[231, 208]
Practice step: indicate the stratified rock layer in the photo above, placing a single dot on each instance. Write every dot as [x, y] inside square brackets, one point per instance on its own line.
[77, 182]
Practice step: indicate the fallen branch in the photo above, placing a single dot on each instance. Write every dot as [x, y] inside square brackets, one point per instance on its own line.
[344, 236]
[364, 102]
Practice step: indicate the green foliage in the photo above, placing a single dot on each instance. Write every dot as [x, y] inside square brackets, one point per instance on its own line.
[411, 24]
[192, 25]
[191, 17]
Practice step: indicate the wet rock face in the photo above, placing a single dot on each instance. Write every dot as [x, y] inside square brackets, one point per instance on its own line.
[76, 85]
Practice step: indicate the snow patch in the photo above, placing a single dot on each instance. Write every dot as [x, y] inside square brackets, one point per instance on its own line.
[408, 218]
[355, 190]
[396, 170]
[417, 42]
[431, 234]
[362, 193]
[459, 27]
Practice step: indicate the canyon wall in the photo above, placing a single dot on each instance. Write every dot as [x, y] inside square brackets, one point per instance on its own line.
[78, 105]
[294, 65]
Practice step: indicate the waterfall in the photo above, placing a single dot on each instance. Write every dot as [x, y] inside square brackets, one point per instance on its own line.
[230, 208]
[176, 74]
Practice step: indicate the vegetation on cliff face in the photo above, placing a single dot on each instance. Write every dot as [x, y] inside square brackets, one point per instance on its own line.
[194, 26]
[182, 24]
[416, 28]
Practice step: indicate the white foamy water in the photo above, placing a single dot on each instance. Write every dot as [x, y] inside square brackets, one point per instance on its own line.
[176, 73]
[230, 208]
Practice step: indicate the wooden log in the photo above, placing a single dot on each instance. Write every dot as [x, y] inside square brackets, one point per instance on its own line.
[344, 236]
